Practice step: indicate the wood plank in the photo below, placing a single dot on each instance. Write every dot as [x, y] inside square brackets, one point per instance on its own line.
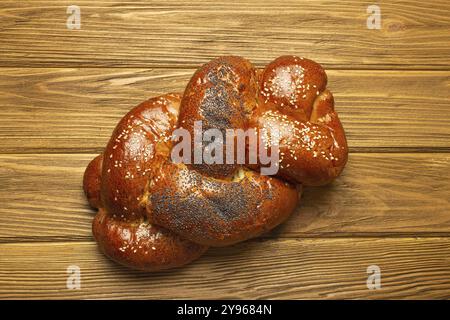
[378, 195]
[75, 110]
[414, 34]
[282, 269]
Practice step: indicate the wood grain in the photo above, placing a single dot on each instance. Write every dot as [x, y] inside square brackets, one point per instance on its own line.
[378, 194]
[414, 34]
[75, 110]
[281, 269]
[62, 92]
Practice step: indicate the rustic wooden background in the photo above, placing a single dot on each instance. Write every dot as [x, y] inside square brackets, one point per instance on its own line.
[62, 92]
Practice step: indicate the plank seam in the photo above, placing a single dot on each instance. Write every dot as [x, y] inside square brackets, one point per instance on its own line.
[365, 235]
[190, 67]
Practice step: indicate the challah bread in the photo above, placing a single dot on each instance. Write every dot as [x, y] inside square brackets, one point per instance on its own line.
[139, 145]
[222, 95]
[116, 182]
[219, 204]
[293, 98]
[140, 245]
[156, 213]
[219, 212]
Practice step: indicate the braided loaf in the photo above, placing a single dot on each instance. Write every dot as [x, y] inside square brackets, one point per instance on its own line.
[155, 213]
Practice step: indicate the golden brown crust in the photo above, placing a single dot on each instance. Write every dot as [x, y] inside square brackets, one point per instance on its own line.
[293, 99]
[217, 212]
[92, 181]
[222, 95]
[192, 206]
[116, 183]
[140, 245]
[292, 83]
[137, 146]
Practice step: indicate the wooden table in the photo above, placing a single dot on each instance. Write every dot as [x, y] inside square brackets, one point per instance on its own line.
[62, 91]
